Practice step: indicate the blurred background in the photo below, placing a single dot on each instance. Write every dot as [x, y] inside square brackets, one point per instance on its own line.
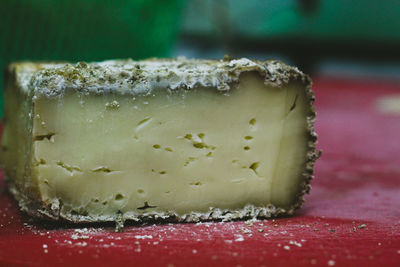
[345, 38]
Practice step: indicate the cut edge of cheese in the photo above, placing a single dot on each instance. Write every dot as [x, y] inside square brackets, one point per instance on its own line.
[33, 81]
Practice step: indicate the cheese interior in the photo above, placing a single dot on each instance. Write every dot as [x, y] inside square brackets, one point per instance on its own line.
[180, 151]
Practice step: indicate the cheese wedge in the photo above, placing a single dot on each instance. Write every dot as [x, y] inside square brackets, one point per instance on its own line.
[159, 139]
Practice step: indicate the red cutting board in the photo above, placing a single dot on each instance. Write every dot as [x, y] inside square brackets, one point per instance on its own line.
[351, 217]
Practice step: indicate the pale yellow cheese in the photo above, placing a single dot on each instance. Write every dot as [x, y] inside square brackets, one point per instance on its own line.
[167, 152]
[183, 152]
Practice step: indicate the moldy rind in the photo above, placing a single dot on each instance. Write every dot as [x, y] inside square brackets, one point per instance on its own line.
[142, 77]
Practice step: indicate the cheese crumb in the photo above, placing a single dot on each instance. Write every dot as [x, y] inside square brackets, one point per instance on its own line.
[239, 238]
[143, 237]
[361, 226]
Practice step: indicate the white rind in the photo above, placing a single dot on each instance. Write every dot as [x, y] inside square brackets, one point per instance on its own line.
[142, 77]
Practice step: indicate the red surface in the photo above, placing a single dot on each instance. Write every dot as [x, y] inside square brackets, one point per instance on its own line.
[357, 183]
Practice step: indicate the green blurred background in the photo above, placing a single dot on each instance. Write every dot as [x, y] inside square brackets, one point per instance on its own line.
[89, 30]
[341, 36]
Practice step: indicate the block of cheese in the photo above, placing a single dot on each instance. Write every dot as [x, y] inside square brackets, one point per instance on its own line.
[159, 139]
